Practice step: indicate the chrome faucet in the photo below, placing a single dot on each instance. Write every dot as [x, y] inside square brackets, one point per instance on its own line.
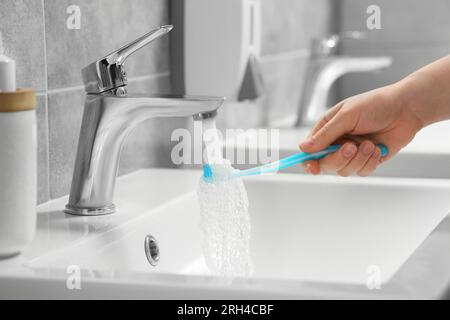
[324, 68]
[110, 114]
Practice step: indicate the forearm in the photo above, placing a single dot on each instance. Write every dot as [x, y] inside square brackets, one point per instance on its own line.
[426, 92]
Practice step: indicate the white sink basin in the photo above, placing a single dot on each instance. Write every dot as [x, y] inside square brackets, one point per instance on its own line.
[311, 237]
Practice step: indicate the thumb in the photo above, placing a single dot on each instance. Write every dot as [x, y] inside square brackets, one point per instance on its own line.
[341, 124]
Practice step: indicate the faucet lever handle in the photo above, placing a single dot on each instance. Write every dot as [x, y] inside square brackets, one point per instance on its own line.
[119, 56]
[109, 73]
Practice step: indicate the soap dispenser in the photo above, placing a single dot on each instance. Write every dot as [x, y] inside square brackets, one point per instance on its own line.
[216, 48]
[17, 161]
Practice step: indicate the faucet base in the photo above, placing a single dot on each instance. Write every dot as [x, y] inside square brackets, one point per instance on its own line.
[89, 211]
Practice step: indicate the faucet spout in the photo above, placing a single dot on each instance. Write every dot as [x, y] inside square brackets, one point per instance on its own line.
[323, 73]
[325, 67]
[107, 121]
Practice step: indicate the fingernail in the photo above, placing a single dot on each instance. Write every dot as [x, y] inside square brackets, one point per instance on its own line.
[367, 148]
[349, 150]
[306, 144]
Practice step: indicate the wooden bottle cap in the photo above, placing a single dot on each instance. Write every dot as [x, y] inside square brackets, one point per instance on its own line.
[21, 100]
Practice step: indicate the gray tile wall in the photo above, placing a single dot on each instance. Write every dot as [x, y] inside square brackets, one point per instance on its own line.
[413, 33]
[49, 59]
[287, 29]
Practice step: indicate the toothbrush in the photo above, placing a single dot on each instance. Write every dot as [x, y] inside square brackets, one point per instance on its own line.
[209, 176]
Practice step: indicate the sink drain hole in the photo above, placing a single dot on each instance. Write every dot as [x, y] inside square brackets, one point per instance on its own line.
[151, 250]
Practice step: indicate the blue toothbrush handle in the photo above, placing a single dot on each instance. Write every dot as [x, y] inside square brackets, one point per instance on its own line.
[298, 158]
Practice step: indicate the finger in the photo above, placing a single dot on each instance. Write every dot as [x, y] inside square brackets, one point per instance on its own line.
[365, 151]
[305, 167]
[349, 138]
[313, 167]
[326, 118]
[371, 165]
[339, 125]
[338, 160]
[392, 144]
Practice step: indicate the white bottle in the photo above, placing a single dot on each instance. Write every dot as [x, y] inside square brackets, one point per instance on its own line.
[7, 71]
[17, 162]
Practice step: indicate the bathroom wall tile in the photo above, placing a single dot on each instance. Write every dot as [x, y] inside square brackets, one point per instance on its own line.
[151, 85]
[106, 25]
[22, 27]
[289, 25]
[403, 22]
[64, 116]
[405, 61]
[43, 188]
[153, 142]
[284, 81]
[242, 115]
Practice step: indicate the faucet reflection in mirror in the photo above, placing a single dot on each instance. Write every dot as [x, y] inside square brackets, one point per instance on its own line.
[325, 66]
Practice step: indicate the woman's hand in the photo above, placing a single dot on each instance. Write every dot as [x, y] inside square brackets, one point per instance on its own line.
[359, 123]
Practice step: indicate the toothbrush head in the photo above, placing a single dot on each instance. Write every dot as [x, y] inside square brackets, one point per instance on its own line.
[207, 173]
[213, 173]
